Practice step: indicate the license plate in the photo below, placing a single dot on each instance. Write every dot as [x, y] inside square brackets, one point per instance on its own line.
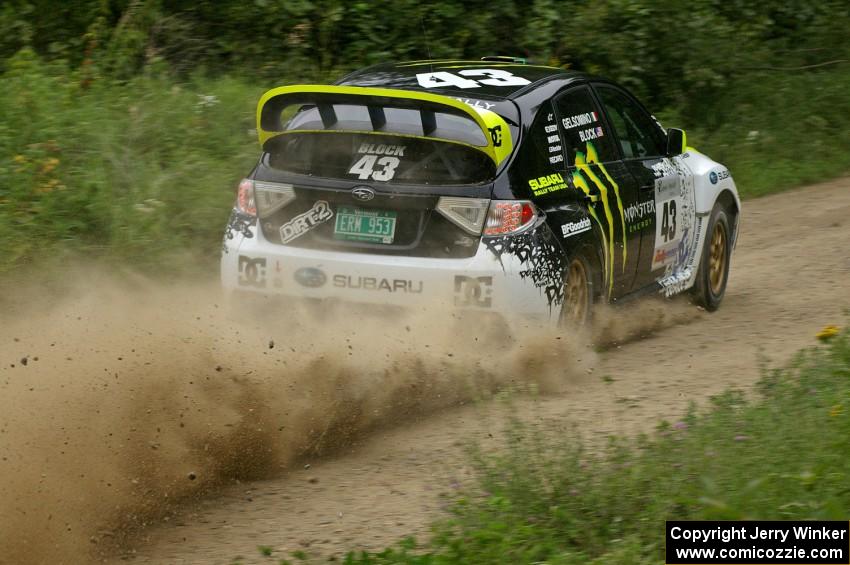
[371, 226]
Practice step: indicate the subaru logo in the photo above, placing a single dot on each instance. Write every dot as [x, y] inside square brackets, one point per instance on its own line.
[310, 277]
[363, 193]
[712, 176]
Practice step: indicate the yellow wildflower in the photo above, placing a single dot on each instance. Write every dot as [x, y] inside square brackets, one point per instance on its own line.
[19, 159]
[827, 332]
[49, 165]
[836, 410]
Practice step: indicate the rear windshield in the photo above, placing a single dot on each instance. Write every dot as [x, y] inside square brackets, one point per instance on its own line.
[368, 157]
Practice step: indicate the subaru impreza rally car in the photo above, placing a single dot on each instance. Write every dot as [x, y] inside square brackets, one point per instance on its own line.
[486, 185]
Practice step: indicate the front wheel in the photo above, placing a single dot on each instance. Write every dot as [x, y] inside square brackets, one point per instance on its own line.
[578, 294]
[713, 272]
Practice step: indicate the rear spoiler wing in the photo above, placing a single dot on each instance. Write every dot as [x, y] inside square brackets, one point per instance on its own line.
[270, 107]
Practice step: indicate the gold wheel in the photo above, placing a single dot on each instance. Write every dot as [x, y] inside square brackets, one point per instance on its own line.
[717, 259]
[576, 294]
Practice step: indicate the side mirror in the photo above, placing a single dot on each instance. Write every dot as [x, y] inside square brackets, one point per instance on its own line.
[677, 142]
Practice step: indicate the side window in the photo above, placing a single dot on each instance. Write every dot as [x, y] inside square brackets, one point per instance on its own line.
[542, 149]
[636, 131]
[580, 123]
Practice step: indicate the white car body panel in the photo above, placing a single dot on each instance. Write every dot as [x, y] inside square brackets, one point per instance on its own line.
[708, 180]
[482, 282]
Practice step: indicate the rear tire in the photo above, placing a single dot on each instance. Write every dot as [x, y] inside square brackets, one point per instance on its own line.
[577, 309]
[710, 286]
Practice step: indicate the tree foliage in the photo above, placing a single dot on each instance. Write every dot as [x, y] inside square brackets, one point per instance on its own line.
[125, 124]
[668, 51]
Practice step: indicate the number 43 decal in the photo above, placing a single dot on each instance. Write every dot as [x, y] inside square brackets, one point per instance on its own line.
[365, 167]
[668, 221]
[493, 77]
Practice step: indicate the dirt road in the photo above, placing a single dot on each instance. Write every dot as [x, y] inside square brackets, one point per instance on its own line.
[124, 404]
[790, 276]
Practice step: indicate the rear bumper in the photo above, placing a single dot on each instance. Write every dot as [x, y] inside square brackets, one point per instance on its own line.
[505, 283]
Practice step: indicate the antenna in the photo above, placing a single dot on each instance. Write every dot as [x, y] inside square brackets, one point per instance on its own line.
[427, 43]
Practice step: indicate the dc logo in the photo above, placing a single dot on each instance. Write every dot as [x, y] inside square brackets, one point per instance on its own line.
[473, 291]
[496, 136]
[252, 272]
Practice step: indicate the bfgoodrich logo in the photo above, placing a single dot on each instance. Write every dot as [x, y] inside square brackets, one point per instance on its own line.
[572, 228]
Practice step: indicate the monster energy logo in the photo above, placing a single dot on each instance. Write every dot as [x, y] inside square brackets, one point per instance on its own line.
[585, 164]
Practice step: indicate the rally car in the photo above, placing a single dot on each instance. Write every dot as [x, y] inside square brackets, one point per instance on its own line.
[488, 185]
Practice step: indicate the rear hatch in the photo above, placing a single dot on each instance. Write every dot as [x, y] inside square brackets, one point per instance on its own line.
[376, 171]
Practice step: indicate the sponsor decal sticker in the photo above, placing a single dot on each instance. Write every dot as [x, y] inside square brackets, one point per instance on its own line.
[239, 224]
[638, 215]
[382, 149]
[496, 135]
[473, 291]
[579, 120]
[718, 176]
[539, 277]
[403, 286]
[476, 103]
[590, 134]
[546, 184]
[302, 223]
[493, 77]
[573, 228]
[379, 161]
[677, 229]
[540, 255]
[252, 271]
[640, 210]
[589, 175]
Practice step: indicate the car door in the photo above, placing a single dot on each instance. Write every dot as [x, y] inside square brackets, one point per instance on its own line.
[595, 168]
[663, 213]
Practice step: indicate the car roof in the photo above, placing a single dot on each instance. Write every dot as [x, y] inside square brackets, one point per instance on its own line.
[403, 75]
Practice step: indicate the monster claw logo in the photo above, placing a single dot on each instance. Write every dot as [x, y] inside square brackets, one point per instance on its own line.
[584, 165]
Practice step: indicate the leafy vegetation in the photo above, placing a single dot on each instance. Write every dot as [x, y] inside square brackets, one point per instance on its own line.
[784, 456]
[127, 123]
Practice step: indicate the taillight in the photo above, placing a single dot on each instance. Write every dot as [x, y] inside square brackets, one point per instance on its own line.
[509, 216]
[272, 196]
[467, 213]
[245, 202]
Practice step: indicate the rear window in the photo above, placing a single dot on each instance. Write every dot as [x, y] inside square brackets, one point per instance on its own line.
[369, 157]
[395, 120]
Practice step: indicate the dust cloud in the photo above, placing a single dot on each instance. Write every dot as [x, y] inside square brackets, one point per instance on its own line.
[613, 326]
[124, 400]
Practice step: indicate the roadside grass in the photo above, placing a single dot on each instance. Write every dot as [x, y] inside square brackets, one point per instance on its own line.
[776, 130]
[141, 174]
[544, 499]
[138, 173]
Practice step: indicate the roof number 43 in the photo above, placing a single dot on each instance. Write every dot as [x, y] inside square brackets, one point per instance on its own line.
[493, 77]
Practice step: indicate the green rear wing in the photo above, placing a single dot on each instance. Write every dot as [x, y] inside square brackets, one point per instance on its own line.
[496, 142]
